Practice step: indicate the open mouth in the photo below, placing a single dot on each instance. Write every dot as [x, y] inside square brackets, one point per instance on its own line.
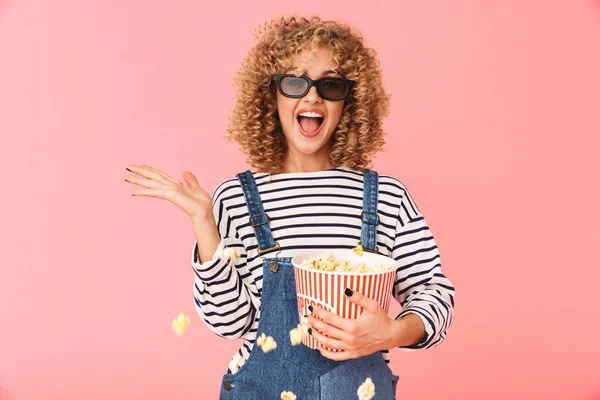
[310, 122]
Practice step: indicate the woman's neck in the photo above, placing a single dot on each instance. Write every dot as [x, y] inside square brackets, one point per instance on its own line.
[305, 165]
[315, 162]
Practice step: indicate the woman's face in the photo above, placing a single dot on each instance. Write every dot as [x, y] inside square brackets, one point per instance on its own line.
[309, 135]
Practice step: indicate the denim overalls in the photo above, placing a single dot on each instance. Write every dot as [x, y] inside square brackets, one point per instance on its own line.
[299, 369]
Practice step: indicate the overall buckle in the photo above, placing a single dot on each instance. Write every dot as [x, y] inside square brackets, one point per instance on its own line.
[268, 219]
[273, 265]
[362, 218]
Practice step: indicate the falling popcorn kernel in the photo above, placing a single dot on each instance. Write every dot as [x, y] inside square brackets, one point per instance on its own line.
[358, 250]
[305, 323]
[236, 363]
[267, 343]
[288, 395]
[231, 254]
[180, 324]
[218, 252]
[297, 334]
[366, 391]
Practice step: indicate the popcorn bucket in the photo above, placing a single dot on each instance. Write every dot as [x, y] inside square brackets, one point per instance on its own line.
[325, 289]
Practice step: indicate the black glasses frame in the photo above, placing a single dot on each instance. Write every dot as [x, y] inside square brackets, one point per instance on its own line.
[318, 83]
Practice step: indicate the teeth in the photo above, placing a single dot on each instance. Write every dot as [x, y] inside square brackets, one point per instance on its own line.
[310, 114]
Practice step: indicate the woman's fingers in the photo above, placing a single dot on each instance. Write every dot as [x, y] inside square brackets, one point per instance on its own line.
[330, 330]
[328, 341]
[158, 193]
[164, 175]
[188, 196]
[333, 319]
[150, 173]
[144, 182]
[336, 355]
[152, 178]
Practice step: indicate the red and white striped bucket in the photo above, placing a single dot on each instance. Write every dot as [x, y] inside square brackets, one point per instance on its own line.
[326, 289]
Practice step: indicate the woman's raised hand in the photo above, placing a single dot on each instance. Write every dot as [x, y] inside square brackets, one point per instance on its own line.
[188, 196]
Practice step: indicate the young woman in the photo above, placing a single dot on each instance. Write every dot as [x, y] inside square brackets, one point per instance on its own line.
[309, 117]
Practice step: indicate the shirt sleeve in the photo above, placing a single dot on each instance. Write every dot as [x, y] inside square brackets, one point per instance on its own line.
[224, 301]
[421, 287]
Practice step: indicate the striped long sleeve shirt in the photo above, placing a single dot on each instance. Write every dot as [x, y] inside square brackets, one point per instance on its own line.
[318, 211]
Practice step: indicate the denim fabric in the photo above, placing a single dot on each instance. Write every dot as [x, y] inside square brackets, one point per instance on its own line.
[368, 233]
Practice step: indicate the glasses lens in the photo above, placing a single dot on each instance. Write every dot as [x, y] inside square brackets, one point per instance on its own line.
[293, 86]
[333, 88]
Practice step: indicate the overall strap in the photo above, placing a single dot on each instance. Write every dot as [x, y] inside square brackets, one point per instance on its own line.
[368, 216]
[258, 218]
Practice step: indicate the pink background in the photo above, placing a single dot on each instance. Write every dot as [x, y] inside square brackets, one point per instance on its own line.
[494, 128]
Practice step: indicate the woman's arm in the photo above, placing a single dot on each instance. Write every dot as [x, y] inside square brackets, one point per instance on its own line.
[226, 303]
[421, 287]
[426, 296]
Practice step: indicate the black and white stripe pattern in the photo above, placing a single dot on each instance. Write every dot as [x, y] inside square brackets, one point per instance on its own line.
[318, 211]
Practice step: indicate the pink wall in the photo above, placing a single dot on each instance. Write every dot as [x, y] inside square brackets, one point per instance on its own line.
[494, 128]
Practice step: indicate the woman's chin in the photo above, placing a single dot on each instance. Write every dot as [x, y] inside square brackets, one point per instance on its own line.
[309, 148]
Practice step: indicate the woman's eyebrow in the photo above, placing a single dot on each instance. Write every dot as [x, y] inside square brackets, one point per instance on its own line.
[330, 72]
[324, 73]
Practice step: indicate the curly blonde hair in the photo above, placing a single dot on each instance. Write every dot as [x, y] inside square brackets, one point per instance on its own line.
[255, 124]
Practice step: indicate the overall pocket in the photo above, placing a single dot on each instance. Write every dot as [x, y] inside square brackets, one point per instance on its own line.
[343, 382]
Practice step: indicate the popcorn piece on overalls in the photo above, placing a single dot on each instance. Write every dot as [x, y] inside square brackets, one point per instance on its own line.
[297, 334]
[180, 324]
[267, 343]
[366, 391]
[288, 395]
[236, 362]
[305, 323]
[358, 250]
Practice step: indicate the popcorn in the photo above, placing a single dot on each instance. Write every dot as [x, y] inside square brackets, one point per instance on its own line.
[366, 391]
[229, 253]
[236, 362]
[297, 334]
[180, 324]
[329, 263]
[288, 395]
[358, 250]
[305, 323]
[267, 343]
